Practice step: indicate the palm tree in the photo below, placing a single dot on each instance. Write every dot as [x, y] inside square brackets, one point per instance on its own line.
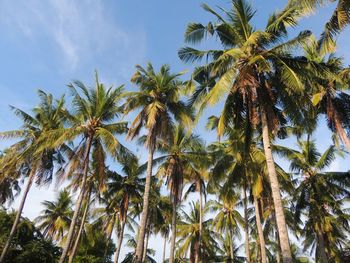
[329, 93]
[55, 218]
[255, 69]
[92, 121]
[320, 197]
[129, 258]
[227, 219]
[159, 102]
[181, 150]
[191, 239]
[198, 175]
[26, 157]
[337, 23]
[123, 191]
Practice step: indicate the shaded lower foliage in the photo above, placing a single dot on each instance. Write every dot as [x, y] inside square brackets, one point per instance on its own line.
[94, 246]
[28, 244]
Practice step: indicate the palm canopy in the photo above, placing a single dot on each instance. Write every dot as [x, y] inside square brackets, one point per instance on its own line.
[93, 117]
[125, 189]
[246, 67]
[190, 238]
[339, 19]
[158, 101]
[328, 94]
[227, 219]
[55, 218]
[181, 150]
[27, 154]
[320, 196]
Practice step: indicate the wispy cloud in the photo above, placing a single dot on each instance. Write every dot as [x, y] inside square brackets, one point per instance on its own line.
[79, 29]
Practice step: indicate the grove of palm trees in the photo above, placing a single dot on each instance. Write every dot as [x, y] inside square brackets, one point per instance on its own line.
[130, 163]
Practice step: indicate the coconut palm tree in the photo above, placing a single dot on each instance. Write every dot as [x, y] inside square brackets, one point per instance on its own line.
[227, 219]
[129, 258]
[198, 176]
[181, 151]
[93, 123]
[123, 191]
[320, 197]
[255, 69]
[328, 94]
[55, 218]
[191, 239]
[159, 103]
[26, 157]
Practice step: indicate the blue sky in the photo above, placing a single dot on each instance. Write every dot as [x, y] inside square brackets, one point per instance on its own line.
[46, 44]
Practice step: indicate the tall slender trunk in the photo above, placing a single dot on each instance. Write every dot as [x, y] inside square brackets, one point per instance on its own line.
[120, 242]
[278, 254]
[173, 232]
[321, 249]
[231, 246]
[246, 225]
[78, 202]
[109, 235]
[260, 232]
[18, 215]
[341, 133]
[146, 246]
[276, 192]
[164, 248]
[80, 231]
[199, 250]
[144, 215]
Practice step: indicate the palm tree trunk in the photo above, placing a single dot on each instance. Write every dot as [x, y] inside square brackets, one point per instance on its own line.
[18, 216]
[246, 225]
[146, 246]
[276, 192]
[341, 133]
[260, 232]
[231, 246]
[322, 256]
[78, 202]
[80, 231]
[144, 215]
[164, 248]
[173, 231]
[120, 242]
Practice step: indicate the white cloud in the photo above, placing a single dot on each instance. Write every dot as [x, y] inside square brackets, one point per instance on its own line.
[79, 29]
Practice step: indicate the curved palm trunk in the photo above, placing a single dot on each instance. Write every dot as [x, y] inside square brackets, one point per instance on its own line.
[80, 231]
[231, 246]
[120, 242]
[173, 231]
[144, 215]
[260, 232]
[342, 134]
[146, 246]
[78, 203]
[164, 248]
[246, 226]
[276, 192]
[18, 216]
